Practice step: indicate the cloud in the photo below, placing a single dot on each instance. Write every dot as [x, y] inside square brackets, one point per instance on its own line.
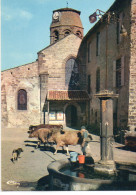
[9, 14]
[26, 14]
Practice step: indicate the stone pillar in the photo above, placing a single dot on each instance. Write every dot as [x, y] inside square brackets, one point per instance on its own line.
[106, 163]
[106, 130]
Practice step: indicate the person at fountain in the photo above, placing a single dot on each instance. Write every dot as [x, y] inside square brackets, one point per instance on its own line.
[85, 139]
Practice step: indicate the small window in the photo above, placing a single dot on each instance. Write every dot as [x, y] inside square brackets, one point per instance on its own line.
[98, 80]
[22, 99]
[78, 33]
[98, 44]
[89, 52]
[56, 36]
[89, 84]
[96, 117]
[118, 73]
[119, 23]
[66, 33]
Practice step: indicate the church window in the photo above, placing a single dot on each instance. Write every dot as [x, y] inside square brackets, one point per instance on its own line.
[22, 99]
[72, 74]
[56, 35]
[67, 32]
[78, 33]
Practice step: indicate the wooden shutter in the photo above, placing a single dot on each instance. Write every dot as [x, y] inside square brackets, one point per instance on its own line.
[122, 71]
[114, 73]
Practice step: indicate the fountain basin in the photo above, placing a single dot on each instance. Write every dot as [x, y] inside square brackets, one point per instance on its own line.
[61, 178]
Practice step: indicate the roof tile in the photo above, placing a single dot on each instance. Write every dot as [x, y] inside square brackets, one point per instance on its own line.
[68, 95]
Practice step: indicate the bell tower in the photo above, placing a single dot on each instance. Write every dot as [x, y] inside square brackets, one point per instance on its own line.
[64, 22]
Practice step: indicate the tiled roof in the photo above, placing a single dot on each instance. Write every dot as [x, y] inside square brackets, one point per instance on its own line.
[68, 95]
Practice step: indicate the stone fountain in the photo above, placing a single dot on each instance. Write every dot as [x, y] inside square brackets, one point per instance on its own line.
[105, 174]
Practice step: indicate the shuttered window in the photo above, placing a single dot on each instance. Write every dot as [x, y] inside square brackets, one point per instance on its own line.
[118, 72]
[98, 80]
[89, 84]
[119, 23]
[98, 44]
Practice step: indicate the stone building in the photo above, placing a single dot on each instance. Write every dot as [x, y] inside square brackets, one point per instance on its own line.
[110, 61]
[60, 86]
[48, 90]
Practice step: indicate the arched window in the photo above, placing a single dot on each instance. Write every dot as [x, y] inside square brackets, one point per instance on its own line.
[72, 74]
[78, 33]
[98, 80]
[67, 32]
[22, 100]
[56, 35]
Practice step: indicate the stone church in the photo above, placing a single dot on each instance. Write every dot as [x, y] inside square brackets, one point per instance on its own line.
[49, 90]
[60, 86]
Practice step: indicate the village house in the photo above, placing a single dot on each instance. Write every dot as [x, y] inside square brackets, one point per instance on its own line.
[108, 51]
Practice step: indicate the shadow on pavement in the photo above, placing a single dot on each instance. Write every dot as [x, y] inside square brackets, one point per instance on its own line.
[126, 148]
[41, 185]
[45, 148]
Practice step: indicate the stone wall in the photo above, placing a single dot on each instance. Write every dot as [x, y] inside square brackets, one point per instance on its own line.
[132, 79]
[47, 73]
[51, 68]
[12, 80]
[114, 52]
[54, 59]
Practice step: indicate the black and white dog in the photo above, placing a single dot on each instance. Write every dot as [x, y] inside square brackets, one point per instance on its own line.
[16, 154]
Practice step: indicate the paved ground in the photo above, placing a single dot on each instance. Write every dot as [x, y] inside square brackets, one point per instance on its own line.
[30, 171]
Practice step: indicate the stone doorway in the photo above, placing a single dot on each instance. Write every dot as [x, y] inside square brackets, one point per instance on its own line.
[71, 116]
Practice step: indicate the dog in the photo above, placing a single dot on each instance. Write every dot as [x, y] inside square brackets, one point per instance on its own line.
[16, 154]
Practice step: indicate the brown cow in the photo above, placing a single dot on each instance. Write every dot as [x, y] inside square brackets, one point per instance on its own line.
[67, 138]
[36, 127]
[41, 134]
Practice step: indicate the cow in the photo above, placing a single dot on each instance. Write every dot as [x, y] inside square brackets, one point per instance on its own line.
[41, 134]
[36, 127]
[66, 138]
